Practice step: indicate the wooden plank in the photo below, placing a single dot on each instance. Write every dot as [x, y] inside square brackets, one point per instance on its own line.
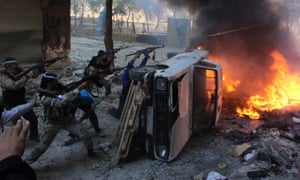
[129, 117]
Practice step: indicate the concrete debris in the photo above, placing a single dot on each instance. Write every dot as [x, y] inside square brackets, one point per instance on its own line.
[213, 175]
[105, 146]
[238, 150]
[278, 154]
[239, 137]
[200, 176]
[296, 126]
[249, 157]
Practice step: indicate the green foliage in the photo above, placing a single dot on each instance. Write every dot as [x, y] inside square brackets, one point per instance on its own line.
[95, 5]
[124, 5]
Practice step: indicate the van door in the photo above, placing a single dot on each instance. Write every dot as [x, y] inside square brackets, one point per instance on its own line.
[205, 97]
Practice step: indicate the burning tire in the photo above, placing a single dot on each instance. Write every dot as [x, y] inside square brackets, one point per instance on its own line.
[137, 73]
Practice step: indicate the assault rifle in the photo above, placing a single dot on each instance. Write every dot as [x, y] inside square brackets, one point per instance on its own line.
[146, 51]
[114, 51]
[92, 78]
[39, 66]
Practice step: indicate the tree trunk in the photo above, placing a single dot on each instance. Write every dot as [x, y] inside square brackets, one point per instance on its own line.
[146, 12]
[75, 9]
[75, 20]
[127, 20]
[132, 24]
[94, 20]
[108, 41]
[157, 24]
[82, 14]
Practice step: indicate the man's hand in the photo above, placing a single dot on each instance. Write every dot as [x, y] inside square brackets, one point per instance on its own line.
[83, 85]
[12, 141]
[34, 99]
[137, 56]
[29, 74]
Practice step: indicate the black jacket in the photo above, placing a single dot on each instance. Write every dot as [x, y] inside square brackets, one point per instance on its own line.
[13, 90]
[14, 168]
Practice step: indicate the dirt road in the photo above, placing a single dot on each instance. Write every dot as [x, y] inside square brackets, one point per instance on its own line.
[202, 154]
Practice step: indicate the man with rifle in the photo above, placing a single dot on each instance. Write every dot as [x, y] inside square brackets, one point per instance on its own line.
[99, 67]
[102, 65]
[86, 101]
[126, 79]
[13, 92]
[59, 109]
[103, 62]
[40, 67]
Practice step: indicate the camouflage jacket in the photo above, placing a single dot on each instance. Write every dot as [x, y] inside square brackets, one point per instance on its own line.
[13, 91]
[59, 108]
[100, 71]
[8, 82]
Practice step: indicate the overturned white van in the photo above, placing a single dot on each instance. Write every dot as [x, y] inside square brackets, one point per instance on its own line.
[169, 102]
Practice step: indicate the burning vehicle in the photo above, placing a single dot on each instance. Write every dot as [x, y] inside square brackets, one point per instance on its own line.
[169, 102]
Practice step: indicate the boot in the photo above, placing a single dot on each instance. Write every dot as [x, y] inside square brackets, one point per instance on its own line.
[92, 154]
[73, 139]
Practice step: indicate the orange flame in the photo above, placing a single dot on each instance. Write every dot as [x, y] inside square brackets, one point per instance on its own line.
[248, 112]
[199, 47]
[284, 91]
[231, 85]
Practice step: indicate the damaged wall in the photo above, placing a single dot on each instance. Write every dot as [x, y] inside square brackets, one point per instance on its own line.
[32, 30]
[56, 28]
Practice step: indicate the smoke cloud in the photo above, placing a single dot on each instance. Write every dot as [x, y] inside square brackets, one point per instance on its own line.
[241, 34]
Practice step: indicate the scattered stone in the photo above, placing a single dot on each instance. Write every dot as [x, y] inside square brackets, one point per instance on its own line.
[238, 150]
[249, 157]
[105, 146]
[239, 173]
[296, 126]
[238, 136]
[278, 154]
[289, 135]
[277, 119]
[213, 175]
[200, 176]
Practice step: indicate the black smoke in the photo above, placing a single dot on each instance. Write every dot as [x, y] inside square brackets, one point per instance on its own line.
[241, 34]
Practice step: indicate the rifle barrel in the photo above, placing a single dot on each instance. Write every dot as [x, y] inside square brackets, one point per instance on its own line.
[145, 50]
[39, 65]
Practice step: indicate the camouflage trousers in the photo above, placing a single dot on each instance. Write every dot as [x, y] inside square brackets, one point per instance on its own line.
[52, 130]
[102, 82]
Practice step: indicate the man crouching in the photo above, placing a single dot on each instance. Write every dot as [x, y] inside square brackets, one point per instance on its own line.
[59, 109]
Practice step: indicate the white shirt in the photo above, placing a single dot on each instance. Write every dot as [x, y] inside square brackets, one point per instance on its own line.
[15, 113]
